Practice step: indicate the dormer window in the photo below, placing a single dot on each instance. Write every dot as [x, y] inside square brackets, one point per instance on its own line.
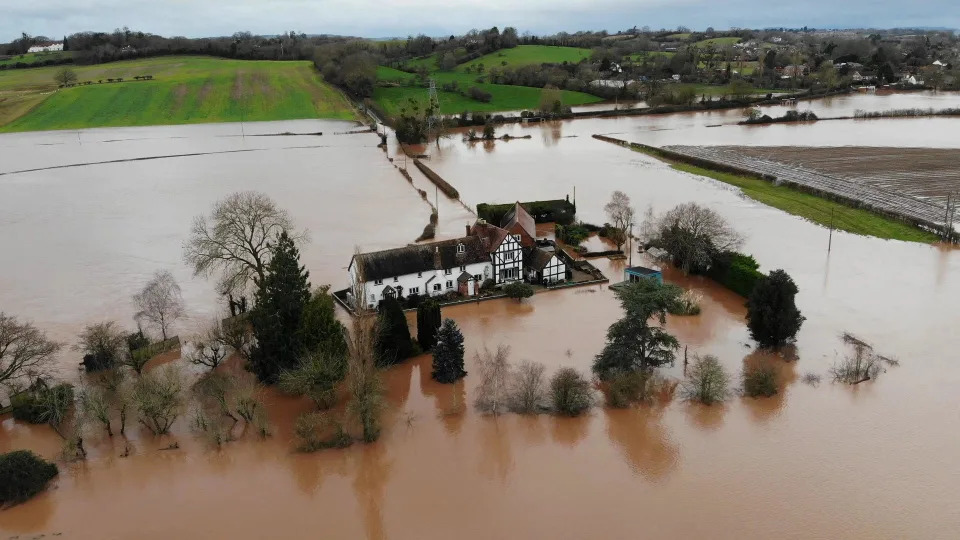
[516, 237]
[461, 248]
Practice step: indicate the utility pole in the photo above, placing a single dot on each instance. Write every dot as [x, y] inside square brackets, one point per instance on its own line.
[830, 242]
[631, 244]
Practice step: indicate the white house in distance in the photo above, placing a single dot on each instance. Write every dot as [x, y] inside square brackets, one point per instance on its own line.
[488, 252]
[46, 47]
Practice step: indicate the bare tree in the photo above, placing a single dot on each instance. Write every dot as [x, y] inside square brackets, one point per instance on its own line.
[692, 234]
[364, 383]
[621, 216]
[492, 393]
[235, 239]
[94, 403]
[236, 335]
[210, 349]
[102, 345]
[158, 398]
[25, 351]
[528, 390]
[160, 302]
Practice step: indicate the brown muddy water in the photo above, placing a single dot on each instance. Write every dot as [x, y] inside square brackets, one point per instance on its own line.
[873, 461]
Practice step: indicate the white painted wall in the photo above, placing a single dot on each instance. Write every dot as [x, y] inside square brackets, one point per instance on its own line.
[374, 290]
[56, 47]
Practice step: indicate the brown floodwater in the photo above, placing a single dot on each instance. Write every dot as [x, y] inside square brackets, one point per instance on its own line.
[827, 461]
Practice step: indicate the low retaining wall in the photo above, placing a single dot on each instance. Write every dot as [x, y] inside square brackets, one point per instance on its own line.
[445, 187]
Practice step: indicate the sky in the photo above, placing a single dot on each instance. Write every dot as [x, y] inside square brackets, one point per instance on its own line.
[399, 18]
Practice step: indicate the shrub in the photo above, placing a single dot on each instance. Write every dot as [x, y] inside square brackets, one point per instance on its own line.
[34, 405]
[572, 235]
[687, 303]
[393, 340]
[626, 388]
[571, 392]
[706, 382]
[759, 380]
[157, 396]
[477, 94]
[23, 474]
[518, 290]
[316, 431]
[735, 271]
[316, 377]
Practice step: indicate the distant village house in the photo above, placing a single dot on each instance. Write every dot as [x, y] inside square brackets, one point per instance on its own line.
[46, 47]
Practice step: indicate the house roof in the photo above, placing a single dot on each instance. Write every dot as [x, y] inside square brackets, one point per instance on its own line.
[464, 277]
[491, 236]
[518, 214]
[540, 258]
[420, 258]
[642, 270]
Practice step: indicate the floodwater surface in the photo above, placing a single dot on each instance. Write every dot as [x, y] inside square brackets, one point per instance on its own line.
[816, 461]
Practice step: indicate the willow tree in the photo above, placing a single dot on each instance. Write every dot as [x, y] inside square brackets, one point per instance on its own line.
[25, 351]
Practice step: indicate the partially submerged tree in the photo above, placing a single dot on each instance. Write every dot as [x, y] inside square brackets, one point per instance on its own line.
[278, 313]
[25, 351]
[528, 389]
[706, 382]
[158, 397]
[571, 392]
[448, 354]
[320, 330]
[364, 383]
[316, 377]
[103, 345]
[210, 348]
[772, 314]
[236, 239]
[621, 215]
[492, 395]
[393, 341]
[692, 235]
[633, 344]
[759, 380]
[160, 302]
[428, 323]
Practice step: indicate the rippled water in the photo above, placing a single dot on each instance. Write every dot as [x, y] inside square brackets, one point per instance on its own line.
[872, 461]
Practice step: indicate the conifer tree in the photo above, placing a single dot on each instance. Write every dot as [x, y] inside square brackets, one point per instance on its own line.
[448, 353]
[276, 318]
[772, 314]
[393, 342]
[428, 323]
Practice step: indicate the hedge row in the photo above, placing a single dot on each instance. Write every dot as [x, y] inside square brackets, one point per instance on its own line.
[560, 211]
[736, 271]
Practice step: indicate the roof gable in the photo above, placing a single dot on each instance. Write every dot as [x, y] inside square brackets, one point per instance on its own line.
[518, 215]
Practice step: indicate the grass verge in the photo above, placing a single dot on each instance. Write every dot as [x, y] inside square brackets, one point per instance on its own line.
[811, 207]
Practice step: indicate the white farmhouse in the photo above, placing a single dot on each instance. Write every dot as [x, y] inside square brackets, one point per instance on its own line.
[46, 47]
[544, 266]
[434, 269]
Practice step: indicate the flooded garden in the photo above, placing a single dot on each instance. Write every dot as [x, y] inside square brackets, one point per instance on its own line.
[817, 460]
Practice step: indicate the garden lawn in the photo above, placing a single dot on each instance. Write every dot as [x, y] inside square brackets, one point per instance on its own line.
[718, 42]
[185, 90]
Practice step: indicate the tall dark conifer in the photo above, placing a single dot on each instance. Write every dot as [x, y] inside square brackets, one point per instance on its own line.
[393, 342]
[428, 323]
[448, 353]
[772, 314]
[278, 313]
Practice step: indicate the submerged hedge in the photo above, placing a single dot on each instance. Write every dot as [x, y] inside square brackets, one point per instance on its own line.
[736, 271]
[23, 474]
[559, 211]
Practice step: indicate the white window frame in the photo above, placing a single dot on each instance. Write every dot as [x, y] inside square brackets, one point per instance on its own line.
[449, 283]
[463, 268]
[378, 282]
[437, 286]
[447, 271]
[413, 290]
[461, 248]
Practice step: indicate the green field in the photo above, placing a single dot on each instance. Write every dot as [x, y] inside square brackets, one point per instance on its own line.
[814, 208]
[723, 90]
[33, 58]
[718, 42]
[505, 97]
[185, 90]
[682, 36]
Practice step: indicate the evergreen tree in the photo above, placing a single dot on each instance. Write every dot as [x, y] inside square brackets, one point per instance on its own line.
[320, 331]
[448, 353]
[278, 314]
[393, 342]
[428, 323]
[772, 314]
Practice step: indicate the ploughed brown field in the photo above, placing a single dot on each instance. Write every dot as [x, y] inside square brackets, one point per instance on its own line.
[929, 173]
